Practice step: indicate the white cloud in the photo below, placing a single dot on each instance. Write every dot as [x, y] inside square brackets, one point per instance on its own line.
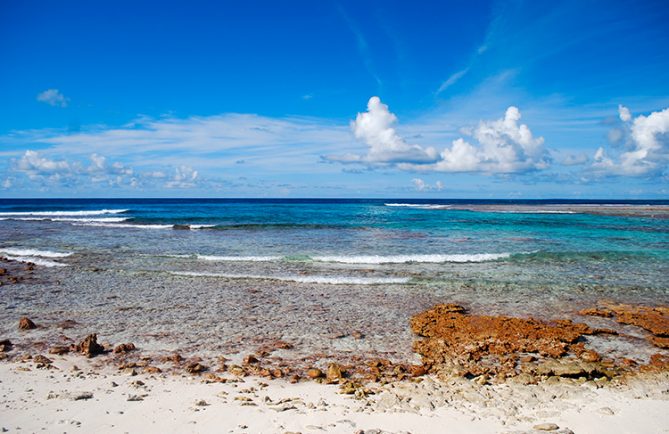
[184, 177]
[50, 173]
[375, 128]
[34, 165]
[450, 81]
[421, 185]
[646, 150]
[53, 97]
[504, 146]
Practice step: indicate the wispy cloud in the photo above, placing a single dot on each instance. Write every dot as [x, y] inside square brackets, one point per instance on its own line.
[450, 81]
[362, 45]
[53, 97]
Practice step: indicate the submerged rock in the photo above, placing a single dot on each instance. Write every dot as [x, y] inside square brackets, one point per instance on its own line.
[653, 319]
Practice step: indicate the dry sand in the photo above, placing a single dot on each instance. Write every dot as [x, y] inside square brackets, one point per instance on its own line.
[102, 399]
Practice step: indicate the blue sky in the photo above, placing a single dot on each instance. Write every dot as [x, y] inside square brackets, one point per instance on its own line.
[334, 99]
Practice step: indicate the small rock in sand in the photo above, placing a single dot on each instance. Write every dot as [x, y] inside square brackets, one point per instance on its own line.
[124, 348]
[546, 427]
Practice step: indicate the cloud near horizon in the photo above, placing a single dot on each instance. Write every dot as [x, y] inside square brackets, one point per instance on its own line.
[48, 172]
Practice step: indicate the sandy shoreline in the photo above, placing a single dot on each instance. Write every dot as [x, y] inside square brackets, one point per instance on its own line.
[102, 399]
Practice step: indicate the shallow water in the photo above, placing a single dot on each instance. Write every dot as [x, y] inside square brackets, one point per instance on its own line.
[247, 271]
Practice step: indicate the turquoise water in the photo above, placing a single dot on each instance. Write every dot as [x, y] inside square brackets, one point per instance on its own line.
[343, 229]
[220, 276]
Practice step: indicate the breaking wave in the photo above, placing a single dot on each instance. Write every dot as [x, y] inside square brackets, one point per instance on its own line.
[65, 213]
[328, 280]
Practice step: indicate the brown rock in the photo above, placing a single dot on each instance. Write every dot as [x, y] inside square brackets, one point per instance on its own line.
[3, 271]
[250, 359]
[654, 319]
[590, 356]
[41, 360]
[195, 368]
[124, 348]
[26, 323]
[152, 370]
[90, 347]
[417, 370]
[68, 324]
[463, 344]
[314, 373]
[659, 341]
[59, 350]
[334, 373]
[357, 335]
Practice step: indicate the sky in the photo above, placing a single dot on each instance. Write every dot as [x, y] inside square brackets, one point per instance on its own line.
[395, 99]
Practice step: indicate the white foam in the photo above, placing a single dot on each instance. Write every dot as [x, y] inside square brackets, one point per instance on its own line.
[36, 261]
[239, 258]
[34, 253]
[202, 226]
[123, 225]
[538, 211]
[400, 259]
[65, 213]
[70, 219]
[418, 205]
[328, 280]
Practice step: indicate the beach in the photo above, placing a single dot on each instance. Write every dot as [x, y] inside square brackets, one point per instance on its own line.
[333, 317]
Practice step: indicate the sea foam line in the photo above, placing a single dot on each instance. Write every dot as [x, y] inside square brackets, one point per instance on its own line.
[418, 205]
[335, 280]
[401, 259]
[34, 253]
[36, 261]
[123, 225]
[360, 259]
[70, 219]
[65, 213]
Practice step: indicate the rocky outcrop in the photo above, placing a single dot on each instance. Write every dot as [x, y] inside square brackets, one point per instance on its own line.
[457, 343]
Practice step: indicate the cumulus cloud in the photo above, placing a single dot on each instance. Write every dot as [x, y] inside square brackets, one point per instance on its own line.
[34, 166]
[375, 128]
[53, 97]
[500, 146]
[646, 146]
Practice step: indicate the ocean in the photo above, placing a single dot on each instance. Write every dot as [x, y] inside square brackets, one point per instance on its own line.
[220, 276]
